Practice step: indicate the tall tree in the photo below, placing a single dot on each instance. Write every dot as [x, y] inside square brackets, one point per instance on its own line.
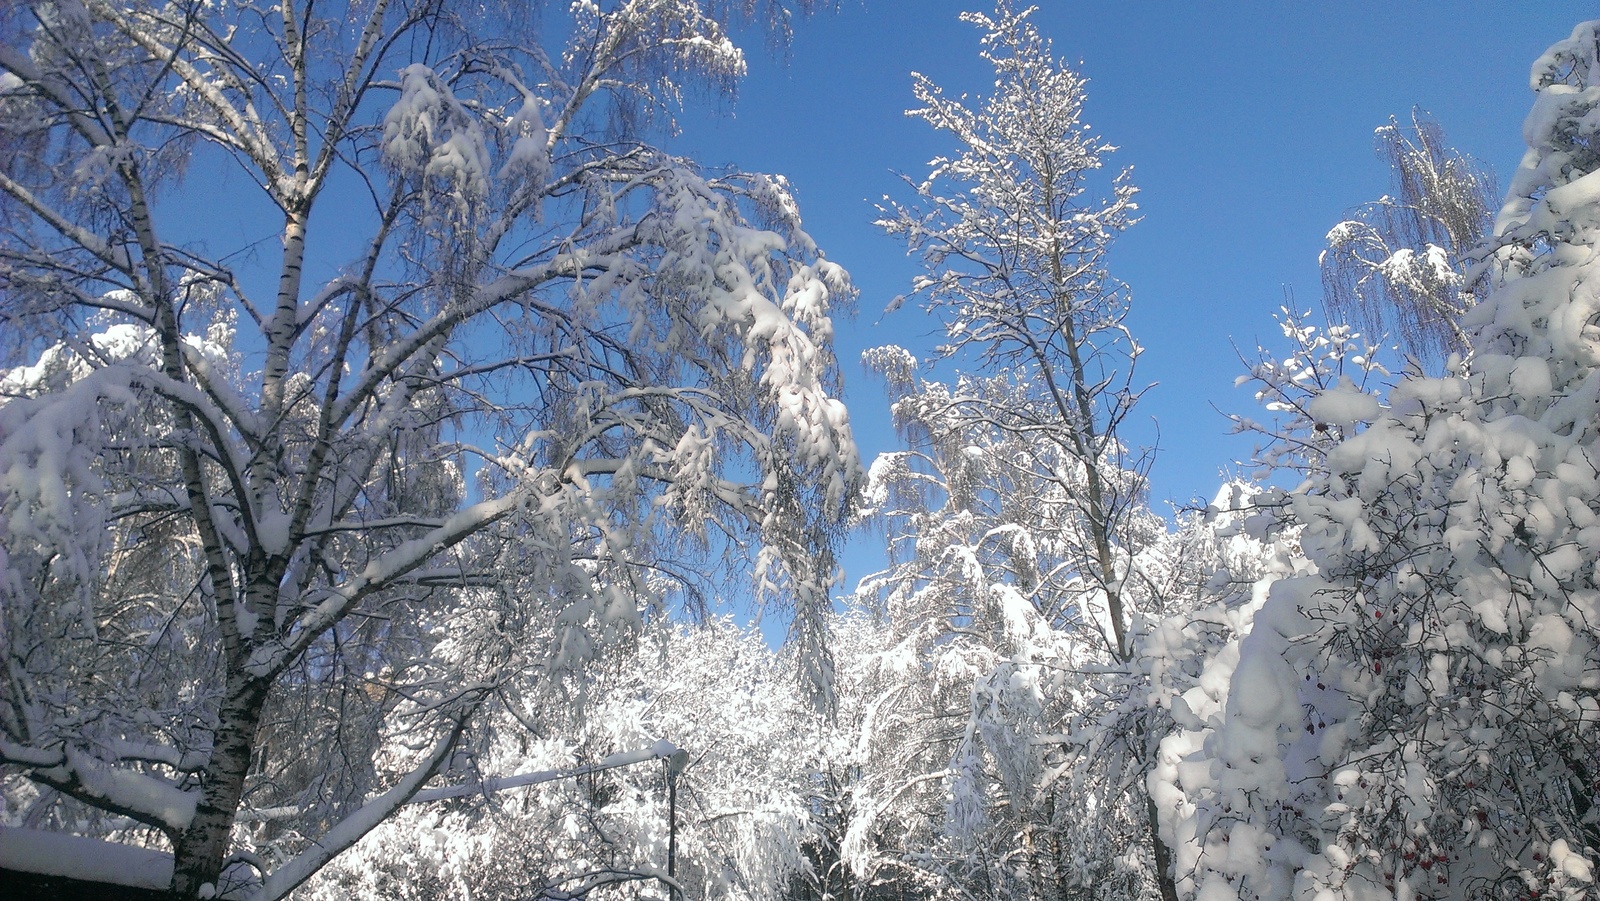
[1399, 263]
[495, 340]
[1015, 245]
[1018, 518]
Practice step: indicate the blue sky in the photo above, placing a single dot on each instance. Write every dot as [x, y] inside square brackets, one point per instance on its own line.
[1249, 127]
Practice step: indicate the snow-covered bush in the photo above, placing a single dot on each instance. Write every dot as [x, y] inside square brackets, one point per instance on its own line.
[1418, 716]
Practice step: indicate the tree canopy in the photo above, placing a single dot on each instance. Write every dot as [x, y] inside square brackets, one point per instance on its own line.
[509, 367]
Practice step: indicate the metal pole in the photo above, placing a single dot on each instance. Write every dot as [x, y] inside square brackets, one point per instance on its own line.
[672, 830]
[676, 762]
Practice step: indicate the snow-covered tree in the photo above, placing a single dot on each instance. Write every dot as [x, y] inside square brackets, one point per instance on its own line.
[859, 828]
[997, 746]
[479, 334]
[985, 624]
[743, 818]
[1416, 714]
[1014, 244]
[1009, 741]
[1398, 264]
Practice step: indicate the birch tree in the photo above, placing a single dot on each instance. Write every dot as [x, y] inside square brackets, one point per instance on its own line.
[1399, 263]
[479, 334]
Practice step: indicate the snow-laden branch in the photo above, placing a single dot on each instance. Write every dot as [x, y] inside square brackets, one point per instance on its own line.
[288, 876]
[242, 129]
[271, 658]
[145, 798]
[116, 257]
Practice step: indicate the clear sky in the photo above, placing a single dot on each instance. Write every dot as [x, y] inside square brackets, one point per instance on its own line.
[1249, 129]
